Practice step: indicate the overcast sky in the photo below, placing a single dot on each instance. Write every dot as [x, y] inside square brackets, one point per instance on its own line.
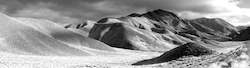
[236, 12]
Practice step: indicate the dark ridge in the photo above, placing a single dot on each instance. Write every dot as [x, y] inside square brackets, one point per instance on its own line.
[189, 49]
[68, 26]
[141, 26]
[166, 19]
[157, 14]
[103, 20]
[78, 26]
[135, 15]
[115, 37]
[164, 12]
[159, 30]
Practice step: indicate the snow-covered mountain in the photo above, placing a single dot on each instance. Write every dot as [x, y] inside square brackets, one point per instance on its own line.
[159, 30]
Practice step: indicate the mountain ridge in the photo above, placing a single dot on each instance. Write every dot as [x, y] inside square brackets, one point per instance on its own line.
[162, 27]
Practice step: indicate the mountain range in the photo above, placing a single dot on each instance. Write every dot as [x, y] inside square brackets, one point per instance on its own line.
[177, 40]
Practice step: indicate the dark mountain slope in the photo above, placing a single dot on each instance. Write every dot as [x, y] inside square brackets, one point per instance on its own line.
[189, 49]
[140, 33]
[243, 36]
[215, 28]
[158, 30]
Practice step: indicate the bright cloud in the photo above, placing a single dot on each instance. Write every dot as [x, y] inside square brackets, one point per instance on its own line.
[230, 11]
[41, 10]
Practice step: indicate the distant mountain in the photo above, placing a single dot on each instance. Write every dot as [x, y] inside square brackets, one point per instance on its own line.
[244, 34]
[214, 28]
[159, 30]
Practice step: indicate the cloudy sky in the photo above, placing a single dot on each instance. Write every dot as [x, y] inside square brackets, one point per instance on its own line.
[236, 12]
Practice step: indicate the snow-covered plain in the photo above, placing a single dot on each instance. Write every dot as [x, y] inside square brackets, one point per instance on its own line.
[122, 60]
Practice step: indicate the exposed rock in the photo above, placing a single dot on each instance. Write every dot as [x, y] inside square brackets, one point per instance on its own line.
[85, 26]
[81, 28]
[189, 49]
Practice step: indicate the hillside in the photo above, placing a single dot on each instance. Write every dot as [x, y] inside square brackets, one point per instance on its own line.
[159, 30]
[35, 37]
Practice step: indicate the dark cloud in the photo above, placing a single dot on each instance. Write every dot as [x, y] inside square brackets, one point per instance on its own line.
[245, 4]
[78, 10]
[179, 5]
[94, 9]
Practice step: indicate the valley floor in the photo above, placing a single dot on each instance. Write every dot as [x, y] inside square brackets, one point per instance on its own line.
[108, 61]
[123, 59]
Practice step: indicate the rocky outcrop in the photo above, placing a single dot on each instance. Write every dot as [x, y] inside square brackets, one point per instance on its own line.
[81, 28]
[85, 26]
[189, 49]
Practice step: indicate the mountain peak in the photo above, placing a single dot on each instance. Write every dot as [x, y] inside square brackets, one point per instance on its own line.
[162, 12]
[135, 15]
[153, 13]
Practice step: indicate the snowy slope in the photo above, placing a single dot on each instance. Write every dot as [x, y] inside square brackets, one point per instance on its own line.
[41, 37]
